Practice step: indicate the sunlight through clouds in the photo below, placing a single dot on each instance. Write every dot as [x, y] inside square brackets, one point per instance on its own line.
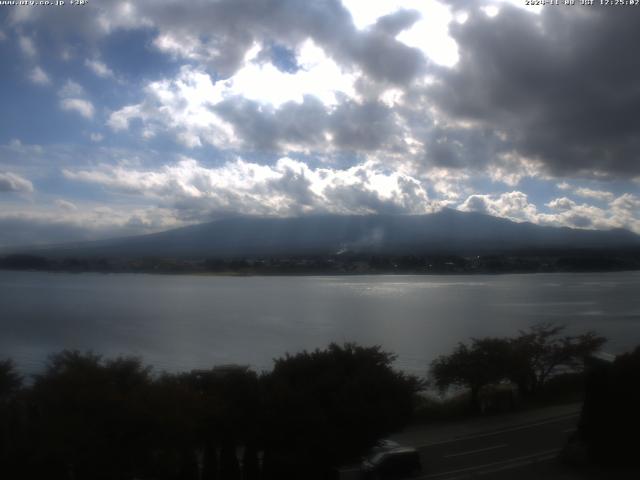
[291, 107]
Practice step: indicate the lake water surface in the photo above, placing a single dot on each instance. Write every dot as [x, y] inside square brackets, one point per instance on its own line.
[184, 322]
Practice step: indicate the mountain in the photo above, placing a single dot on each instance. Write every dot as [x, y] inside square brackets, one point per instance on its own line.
[448, 231]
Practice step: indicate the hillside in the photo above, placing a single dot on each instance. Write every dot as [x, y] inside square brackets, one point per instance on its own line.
[445, 232]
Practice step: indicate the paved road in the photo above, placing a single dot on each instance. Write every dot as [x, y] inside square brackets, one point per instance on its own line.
[503, 449]
[507, 448]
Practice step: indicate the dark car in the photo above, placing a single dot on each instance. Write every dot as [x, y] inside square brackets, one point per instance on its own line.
[397, 463]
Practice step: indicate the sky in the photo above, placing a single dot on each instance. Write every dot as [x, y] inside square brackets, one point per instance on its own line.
[124, 118]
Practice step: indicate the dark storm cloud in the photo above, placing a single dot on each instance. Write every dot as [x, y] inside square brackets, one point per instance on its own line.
[362, 200]
[297, 188]
[351, 126]
[396, 22]
[228, 28]
[456, 147]
[562, 85]
[220, 33]
[363, 126]
[265, 128]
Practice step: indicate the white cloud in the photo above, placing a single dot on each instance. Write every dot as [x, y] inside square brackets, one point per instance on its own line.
[71, 89]
[628, 202]
[119, 120]
[66, 205]
[71, 99]
[623, 211]
[11, 182]
[450, 184]
[595, 194]
[183, 106]
[429, 34]
[563, 203]
[287, 188]
[48, 225]
[513, 205]
[96, 137]
[318, 75]
[27, 46]
[99, 68]
[81, 106]
[511, 169]
[39, 76]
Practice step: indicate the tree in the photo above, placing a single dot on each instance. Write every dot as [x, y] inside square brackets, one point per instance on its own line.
[473, 366]
[90, 415]
[10, 420]
[527, 360]
[540, 352]
[10, 380]
[327, 406]
[610, 419]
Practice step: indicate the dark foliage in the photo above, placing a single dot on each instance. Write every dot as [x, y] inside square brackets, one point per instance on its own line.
[475, 366]
[528, 360]
[10, 380]
[538, 353]
[329, 405]
[610, 419]
[24, 262]
[86, 417]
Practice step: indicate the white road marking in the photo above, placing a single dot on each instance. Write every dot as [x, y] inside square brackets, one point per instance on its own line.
[471, 452]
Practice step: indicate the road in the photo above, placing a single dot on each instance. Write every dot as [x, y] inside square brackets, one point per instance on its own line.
[495, 451]
[507, 448]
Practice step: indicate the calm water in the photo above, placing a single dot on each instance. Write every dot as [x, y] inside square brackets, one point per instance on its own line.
[184, 322]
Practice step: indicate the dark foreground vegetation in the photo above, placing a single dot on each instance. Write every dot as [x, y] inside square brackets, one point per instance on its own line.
[86, 417]
[608, 430]
[517, 369]
[348, 263]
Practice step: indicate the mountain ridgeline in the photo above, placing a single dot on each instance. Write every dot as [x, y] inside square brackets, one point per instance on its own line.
[446, 232]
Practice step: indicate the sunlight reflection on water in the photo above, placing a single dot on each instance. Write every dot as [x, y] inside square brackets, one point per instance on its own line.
[184, 322]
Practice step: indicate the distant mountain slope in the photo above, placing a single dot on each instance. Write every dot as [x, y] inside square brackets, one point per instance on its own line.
[448, 231]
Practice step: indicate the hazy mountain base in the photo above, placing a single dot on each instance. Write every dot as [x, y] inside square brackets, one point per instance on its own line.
[444, 233]
[520, 262]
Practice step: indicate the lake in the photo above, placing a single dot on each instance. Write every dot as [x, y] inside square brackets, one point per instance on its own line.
[184, 322]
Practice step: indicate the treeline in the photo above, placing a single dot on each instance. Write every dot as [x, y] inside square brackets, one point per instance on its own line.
[347, 263]
[527, 361]
[540, 356]
[87, 417]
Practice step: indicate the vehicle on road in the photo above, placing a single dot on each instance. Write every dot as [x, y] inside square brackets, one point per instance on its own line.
[392, 464]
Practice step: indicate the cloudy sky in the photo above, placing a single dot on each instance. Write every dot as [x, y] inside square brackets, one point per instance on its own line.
[122, 118]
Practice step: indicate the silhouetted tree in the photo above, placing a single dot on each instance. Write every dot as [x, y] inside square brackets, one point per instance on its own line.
[210, 463]
[24, 262]
[228, 412]
[527, 360]
[10, 379]
[539, 352]
[175, 411]
[250, 466]
[473, 366]
[326, 406]
[90, 416]
[229, 465]
[610, 419]
[11, 421]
